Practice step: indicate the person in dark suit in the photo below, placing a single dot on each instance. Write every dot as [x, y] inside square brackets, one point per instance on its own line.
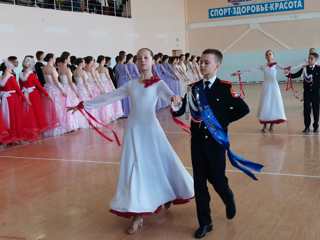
[311, 91]
[208, 156]
[38, 67]
[111, 73]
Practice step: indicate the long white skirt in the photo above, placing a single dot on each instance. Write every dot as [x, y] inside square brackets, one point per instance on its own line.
[271, 108]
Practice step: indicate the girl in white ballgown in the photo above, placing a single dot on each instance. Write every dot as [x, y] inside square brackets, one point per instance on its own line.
[114, 109]
[82, 88]
[151, 173]
[70, 89]
[271, 108]
[94, 88]
[58, 96]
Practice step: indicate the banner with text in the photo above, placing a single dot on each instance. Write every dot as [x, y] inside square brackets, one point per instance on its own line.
[239, 9]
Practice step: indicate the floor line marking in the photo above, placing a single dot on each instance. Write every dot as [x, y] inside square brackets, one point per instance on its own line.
[13, 238]
[256, 134]
[189, 168]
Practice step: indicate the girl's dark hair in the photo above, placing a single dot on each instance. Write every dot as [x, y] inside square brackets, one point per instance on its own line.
[48, 57]
[73, 60]
[181, 55]
[165, 58]
[88, 59]
[100, 58]
[122, 53]
[59, 60]
[65, 54]
[266, 53]
[134, 58]
[121, 58]
[129, 57]
[3, 67]
[107, 59]
[156, 57]
[146, 49]
[63, 59]
[192, 58]
[78, 61]
[160, 54]
[171, 59]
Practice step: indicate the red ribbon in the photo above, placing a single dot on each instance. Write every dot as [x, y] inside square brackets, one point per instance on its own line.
[90, 117]
[289, 82]
[151, 81]
[272, 64]
[238, 75]
[185, 127]
[290, 86]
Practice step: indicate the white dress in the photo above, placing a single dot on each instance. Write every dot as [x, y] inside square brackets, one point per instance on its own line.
[60, 103]
[84, 95]
[116, 107]
[151, 173]
[271, 108]
[72, 100]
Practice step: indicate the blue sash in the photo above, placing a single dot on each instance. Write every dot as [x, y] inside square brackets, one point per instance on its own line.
[219, 134]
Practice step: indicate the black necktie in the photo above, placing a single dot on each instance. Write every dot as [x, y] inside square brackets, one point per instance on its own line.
[207, 83]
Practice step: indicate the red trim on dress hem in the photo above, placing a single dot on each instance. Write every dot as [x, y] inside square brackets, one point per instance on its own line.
[133, 214]
[278, 121]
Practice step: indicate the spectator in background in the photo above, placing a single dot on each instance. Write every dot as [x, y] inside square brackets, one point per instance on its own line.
[117, 62]
[15, 62]
[39, 65]
[73, 65]
[122, 53]
[49, 4]
[108, 66]
[76, 5]
[94, 6]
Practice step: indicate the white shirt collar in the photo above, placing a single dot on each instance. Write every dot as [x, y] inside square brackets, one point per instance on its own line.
[211, 80]
[312, 66]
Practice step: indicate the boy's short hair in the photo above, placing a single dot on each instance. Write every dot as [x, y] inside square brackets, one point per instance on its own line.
[39, 54]
[217, 53]
[314, 54]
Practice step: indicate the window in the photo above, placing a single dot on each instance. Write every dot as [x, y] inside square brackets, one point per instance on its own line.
[119, 8]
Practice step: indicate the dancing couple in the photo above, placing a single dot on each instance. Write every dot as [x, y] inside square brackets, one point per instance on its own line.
[151, 174]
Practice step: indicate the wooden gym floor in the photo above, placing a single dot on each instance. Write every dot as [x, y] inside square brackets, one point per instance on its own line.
[60, 188]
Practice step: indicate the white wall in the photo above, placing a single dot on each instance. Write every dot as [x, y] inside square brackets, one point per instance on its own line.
[159, 25]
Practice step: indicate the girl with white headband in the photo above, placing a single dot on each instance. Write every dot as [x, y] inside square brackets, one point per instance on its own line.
[31, 87]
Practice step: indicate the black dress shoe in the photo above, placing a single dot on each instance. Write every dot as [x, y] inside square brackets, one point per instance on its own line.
[203, 230]
[231, 209]
[315, 130]
[306, 130]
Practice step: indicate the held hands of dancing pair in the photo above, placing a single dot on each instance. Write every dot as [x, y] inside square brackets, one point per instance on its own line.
[175, 100]
[75, 108]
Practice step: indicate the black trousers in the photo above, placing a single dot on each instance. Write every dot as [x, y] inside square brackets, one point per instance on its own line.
[209, 164]
[311, 102]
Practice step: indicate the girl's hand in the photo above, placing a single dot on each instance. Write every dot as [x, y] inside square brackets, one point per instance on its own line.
[176, 100]
[72, 109]
[28, 101]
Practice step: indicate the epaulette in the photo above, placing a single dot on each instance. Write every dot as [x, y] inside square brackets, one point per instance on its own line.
[227, 82]
[233, 92]
[192, 83]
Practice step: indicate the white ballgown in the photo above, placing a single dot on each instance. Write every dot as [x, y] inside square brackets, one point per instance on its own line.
[271, 108]
[151, 173]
